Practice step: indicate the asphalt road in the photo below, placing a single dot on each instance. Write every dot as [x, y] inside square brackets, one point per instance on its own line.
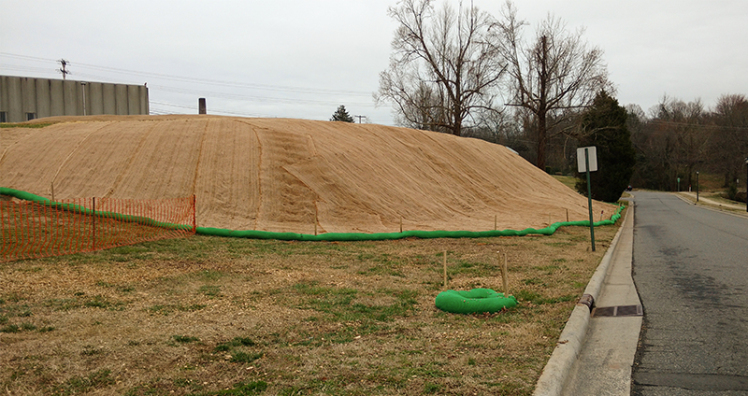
[691, 270]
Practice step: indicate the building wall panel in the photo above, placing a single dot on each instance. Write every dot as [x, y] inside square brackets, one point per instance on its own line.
[120, 98]
[96, 92]
[43, 97]
[57, 100]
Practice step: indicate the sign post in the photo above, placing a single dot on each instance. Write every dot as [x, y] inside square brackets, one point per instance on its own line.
[587, 162]
[697, 187]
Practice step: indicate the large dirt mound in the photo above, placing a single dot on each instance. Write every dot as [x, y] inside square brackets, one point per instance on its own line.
[281, 174]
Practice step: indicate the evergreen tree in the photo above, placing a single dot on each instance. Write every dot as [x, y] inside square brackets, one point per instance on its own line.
[604, 126]
[341, 115]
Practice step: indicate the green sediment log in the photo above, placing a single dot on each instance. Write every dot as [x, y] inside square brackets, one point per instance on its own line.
[338, 237]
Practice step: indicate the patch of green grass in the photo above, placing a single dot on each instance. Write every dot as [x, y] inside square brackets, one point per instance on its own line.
[210, 275]
[364, 319]
[103, 303]
[210, 291]
[548, 269]
[184, 339]
[14, 298]
[243, 357]
[240, 389]
[294, 391]
[430, 388]
[237, 341]
[80, 300]
[182, 382]
[10, 329]
[27, 326]
[313, 289]
[25, 125]
[62, 304]
[559, 244]
[46, 329]
[382, 269]
[19, 310]
[3, 319]
[470, 268]
[79, 385]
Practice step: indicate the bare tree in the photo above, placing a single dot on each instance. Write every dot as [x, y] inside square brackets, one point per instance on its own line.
[443, 72]
[730, 146]
[687, 123]
[557, 72]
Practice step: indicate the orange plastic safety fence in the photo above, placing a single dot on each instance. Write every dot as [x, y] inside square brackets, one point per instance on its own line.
[33, 230]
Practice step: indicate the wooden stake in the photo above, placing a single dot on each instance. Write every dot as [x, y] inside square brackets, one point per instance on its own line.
[495, 222]
[567, 215]
[53, 191]
[445, 269]
[504, 277]
[401, 224]
[315, 221]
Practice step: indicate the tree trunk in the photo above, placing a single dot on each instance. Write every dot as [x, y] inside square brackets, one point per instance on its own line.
[542, 104]
[457, 120]
[542, 140]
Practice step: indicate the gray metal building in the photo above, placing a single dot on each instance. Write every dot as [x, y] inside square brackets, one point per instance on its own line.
[27, 98]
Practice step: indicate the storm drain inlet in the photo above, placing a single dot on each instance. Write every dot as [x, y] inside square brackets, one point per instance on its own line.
[618, 311]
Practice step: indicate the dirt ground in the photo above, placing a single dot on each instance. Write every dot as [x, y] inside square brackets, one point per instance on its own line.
[284, 175]
[210, 316]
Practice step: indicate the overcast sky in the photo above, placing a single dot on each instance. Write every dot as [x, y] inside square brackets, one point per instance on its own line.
[301, 59]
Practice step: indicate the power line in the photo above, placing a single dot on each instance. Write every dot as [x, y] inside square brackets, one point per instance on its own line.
[211, 110]
[686, 124]
[248, 97]
[234, 84]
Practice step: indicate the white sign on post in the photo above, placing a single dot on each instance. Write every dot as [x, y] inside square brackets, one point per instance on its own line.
[592, 154]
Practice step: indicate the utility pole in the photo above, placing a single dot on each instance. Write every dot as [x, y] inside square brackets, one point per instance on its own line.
[64, 70]
[359, 118]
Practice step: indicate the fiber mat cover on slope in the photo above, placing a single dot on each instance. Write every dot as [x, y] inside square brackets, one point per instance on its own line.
[290, 236]
[286, 175]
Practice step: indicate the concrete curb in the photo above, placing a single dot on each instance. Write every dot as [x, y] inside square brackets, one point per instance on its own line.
[556, 371]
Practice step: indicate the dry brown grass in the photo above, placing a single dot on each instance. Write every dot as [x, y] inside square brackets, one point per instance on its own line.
[200, 315]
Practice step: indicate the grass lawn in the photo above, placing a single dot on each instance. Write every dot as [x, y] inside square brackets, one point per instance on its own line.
[218, 316]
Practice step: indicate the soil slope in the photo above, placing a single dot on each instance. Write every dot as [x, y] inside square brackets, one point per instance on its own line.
[281, 174]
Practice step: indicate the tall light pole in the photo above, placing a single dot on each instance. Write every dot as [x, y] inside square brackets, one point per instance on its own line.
[746, 185]
[83, 90]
